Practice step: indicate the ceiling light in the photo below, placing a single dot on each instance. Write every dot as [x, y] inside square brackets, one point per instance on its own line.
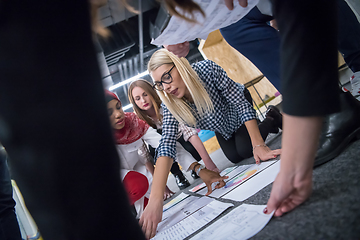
[127, 107]
[128, 80]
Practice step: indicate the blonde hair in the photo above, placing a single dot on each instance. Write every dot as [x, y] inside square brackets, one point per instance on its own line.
[178, 107]
[155, 100]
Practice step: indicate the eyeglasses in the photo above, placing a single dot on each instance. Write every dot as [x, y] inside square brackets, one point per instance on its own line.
[165, 78]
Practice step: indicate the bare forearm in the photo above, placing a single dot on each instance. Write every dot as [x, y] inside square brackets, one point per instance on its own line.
[293, 184]
[200, 148]
[254, 132]
[299, 142]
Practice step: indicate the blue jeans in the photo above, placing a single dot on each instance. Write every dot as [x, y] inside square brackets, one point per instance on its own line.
[9, 227]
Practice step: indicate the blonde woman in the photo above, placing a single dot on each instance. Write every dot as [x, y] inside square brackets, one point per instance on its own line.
[147, 105]
[203, 96]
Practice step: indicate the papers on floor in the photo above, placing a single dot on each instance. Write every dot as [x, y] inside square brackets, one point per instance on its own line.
[181, 210]
[254, 184]
[224, 172]
[184, 215]
[193, 222]
[241, 175]
[174, 201]
[242, 222]
[217, 16]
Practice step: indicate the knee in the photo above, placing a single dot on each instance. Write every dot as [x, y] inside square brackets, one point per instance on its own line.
[245, 152]
[233, 156]
[136, 185]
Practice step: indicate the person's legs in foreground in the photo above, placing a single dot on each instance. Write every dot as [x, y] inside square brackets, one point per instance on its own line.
[340, 128]
[259, 42]
[54, 124]
[9, 226]
[349, 43]
[310, 91]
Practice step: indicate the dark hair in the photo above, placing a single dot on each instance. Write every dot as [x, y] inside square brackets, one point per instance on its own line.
[187, 5]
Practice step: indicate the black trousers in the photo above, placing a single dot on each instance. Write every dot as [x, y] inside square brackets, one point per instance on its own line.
[239, 146]
[309, 56]
[54, 122]
[175, 169]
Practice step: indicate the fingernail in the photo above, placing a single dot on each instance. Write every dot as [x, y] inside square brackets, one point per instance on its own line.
[275, 156]
[265, 210]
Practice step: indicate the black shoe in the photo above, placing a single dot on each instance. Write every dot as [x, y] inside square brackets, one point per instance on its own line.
[194, 175]
[133, 211]
[274, 117]
[339, 129]
[181, 181]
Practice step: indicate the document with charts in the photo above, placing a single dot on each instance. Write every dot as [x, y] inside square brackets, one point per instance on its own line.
[255, 184]
[224, 172]
[193, 222]
[231, 183]
[181, 210]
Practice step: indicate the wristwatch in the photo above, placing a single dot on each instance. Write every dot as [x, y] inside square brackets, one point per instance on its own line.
[201, 167]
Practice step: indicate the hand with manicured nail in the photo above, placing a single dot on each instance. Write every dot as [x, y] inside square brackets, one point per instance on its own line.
[286, 194]
[264, 153]
[293, 184]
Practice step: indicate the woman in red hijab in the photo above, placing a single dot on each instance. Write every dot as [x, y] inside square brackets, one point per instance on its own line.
[130, 134]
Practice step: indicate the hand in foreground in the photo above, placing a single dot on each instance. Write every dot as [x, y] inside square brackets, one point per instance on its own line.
[151, 217]
[288, 192]
[264, 153]
[230, 3]
[167, 193]
[273, 23]
[180, 49]
[210, 177]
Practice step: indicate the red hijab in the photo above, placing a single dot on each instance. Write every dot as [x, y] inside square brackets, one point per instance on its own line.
[134, 127]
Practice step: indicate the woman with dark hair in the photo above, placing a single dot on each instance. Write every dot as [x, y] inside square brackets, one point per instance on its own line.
[130, 135]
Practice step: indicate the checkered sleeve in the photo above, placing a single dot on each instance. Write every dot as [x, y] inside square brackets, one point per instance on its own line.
[186, 131]
[167, 146]
[233, 92]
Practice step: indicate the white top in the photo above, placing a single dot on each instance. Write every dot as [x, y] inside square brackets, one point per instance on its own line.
[133, 158]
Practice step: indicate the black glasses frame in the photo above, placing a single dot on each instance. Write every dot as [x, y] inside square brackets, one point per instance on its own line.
[159, 85]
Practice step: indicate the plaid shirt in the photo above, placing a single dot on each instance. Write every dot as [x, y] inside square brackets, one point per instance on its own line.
[231, 109]
[184, 130]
